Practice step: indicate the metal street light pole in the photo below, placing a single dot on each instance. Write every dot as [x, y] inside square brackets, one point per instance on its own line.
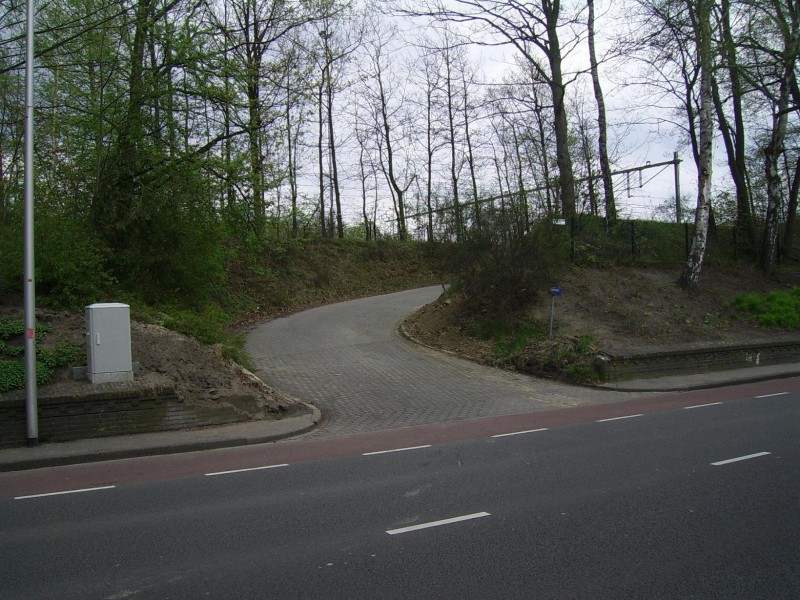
[31, 409]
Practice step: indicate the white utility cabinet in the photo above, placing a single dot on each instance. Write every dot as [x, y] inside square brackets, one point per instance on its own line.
[108, 342]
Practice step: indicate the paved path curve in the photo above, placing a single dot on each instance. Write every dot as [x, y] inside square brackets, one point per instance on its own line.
[349, 360]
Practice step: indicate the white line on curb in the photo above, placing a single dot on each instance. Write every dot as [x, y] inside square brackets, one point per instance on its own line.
[246, 470]
[738, 458]
[619, 418]
[395, 450]
[437, 523]
[701, 405]
[94, 489]
[773, 395]
[499, 435]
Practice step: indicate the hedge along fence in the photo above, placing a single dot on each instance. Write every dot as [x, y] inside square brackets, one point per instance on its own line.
[591, 240]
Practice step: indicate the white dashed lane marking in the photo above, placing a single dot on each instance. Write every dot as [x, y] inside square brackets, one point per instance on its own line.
[702, 405]
[739, 458]
[499, 435]
[620, 418]
[437, 523]
[246, 470]
[396, 450]
[94, 489]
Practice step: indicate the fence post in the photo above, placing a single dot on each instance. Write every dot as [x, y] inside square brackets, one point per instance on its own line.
[633, 241]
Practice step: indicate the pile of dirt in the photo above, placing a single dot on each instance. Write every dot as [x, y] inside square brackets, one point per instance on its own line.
[620, 308]
[199, 374]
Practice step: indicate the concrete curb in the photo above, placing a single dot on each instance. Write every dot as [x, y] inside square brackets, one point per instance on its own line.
[668, 383]
[704, 381]
[153, 444]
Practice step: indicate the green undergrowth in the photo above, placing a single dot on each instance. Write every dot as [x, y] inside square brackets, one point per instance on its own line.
[260, 280]
[12, 350]
[525, 346]
[774, 309]
[263, 281]
[209, 325]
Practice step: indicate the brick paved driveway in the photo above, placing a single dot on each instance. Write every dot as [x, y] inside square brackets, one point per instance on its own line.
[349, 360]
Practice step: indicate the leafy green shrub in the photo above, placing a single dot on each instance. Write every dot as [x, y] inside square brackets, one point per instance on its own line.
[70, 263]
[11, 350]
[775, 309]
[11, 327]
[12, 375]
[12, 366]
[502, 276]
[62, 355]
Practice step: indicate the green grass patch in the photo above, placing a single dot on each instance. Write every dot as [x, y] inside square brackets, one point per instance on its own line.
[207, 325]
[210, 325]
[774, 309]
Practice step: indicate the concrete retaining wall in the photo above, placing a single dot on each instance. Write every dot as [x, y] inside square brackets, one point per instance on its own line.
[648, 364]
[117, 412]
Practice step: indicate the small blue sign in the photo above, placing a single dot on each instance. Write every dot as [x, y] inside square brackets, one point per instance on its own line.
[555, 291]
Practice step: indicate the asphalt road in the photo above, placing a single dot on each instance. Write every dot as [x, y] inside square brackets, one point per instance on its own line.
[350, 361]
[699, 501]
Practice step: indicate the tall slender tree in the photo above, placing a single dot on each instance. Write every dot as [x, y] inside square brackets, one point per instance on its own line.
[701, 17]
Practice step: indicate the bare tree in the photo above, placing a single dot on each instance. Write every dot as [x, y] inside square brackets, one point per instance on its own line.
[340, 36]
[780, 64]
[602, 126]
[429, 82]
[732, 128]
[533, 29]
[387, 114]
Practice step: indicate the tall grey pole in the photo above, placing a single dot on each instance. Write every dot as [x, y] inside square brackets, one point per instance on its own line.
[31, 409]
[677, 167]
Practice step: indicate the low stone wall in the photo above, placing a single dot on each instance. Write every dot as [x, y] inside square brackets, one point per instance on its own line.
[645, 364]
[133, 409]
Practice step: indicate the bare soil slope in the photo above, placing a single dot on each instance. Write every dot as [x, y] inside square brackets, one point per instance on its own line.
[199, 374]
[621, 308]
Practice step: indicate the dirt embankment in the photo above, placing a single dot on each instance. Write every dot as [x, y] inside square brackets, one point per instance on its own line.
[199, 374]
[620, 308]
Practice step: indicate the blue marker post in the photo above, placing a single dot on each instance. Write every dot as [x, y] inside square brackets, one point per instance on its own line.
[554, 292]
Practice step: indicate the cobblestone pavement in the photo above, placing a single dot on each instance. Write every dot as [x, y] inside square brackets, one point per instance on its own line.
[349, 360]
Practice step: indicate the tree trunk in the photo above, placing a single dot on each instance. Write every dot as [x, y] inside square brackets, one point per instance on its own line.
[118, 186]
[363, 170]
[791, 212]
[543, 146]
[734, 136]
[775, 148]
[290, 151]
[320, 139]
[451, 130]
[690, 278]
[337, 195]
[399, 192]
[602, 143]
[429, 166]
[471, 158]
[563, 158]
